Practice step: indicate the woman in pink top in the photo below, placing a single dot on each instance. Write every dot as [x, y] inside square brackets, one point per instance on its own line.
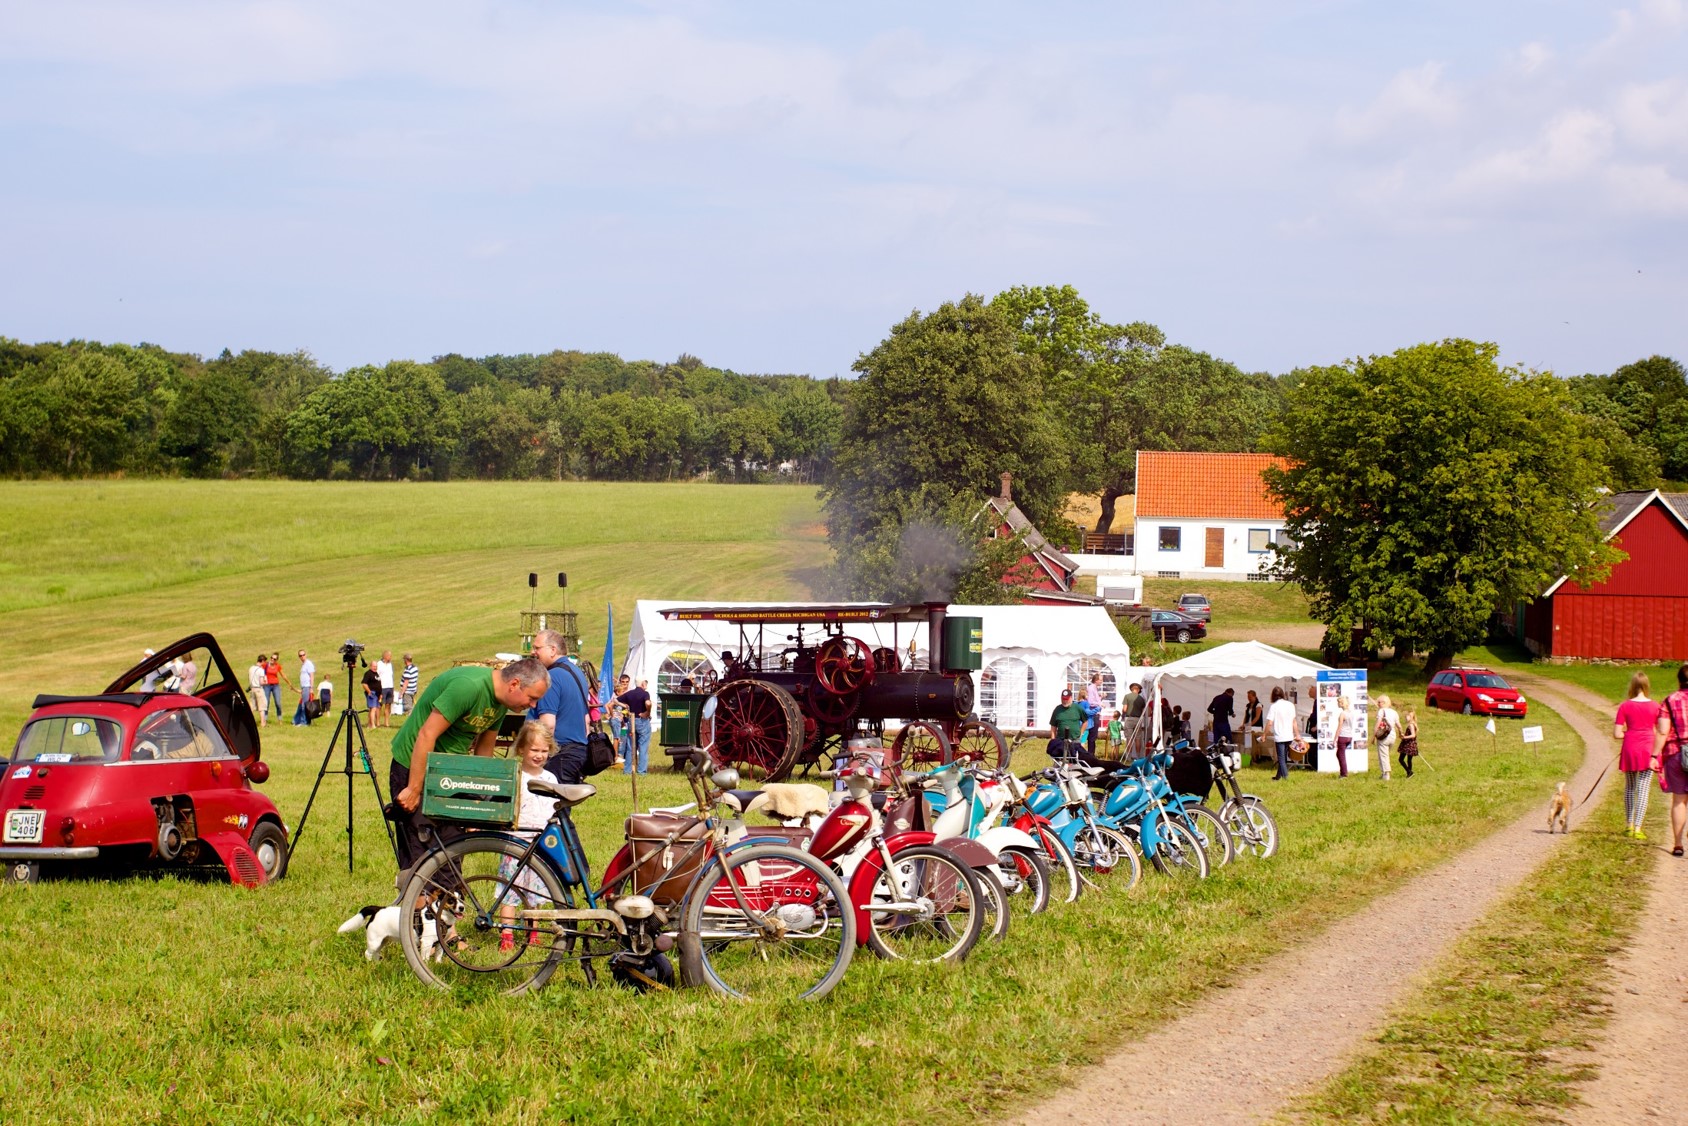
[1669, 739]
[1637, 717]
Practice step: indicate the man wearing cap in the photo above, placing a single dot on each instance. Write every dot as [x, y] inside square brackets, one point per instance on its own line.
[149, 682]
[1066, 726]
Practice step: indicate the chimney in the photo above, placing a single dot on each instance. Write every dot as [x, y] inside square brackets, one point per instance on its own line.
[1007, 480]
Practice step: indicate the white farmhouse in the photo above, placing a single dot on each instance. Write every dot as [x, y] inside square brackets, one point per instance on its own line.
[1205, 515]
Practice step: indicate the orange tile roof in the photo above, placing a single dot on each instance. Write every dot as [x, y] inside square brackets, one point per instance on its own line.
[1211, 486]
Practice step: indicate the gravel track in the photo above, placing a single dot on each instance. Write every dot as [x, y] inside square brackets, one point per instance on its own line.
[1639, 1078]
[1242, 1054]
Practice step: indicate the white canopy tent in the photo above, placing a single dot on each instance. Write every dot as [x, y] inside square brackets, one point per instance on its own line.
[1031, 652]
[1194, 681]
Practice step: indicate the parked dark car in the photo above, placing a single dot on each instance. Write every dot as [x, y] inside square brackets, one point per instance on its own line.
[1195, 605]
[158, 768]
[1475, 692]
[1175, 625]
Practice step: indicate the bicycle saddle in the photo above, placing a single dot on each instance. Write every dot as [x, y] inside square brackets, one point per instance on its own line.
[569, 795]
[741, 799]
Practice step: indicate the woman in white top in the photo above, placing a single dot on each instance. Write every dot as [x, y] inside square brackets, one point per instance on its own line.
[1344, 734]
[1387, 733]
[255, 679]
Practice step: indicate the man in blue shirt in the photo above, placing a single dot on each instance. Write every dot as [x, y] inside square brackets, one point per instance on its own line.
[563, 708]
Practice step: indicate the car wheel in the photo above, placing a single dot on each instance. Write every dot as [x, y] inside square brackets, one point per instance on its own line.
[23, 872]
[1183, 637]
[269, 844]
[1466, 709]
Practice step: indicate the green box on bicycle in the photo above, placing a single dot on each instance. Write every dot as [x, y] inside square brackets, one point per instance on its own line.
[471, 788]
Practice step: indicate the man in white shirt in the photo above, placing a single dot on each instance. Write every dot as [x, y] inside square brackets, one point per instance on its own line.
[384, 706]
[1280, 721]
[260, 702]
[307, 680]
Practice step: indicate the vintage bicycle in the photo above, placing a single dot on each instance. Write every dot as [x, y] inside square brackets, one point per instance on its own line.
[759, 920]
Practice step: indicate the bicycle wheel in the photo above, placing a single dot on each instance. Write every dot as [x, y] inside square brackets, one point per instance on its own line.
[463, 922]
[946, 915]
[1251, 825]
[1065, 882]
[1025, 874]
[995, 899]
[1106, 858]
[1179, 853]
[797, 937]
[1210, 830]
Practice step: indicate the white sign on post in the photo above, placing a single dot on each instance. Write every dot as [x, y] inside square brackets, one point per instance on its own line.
[1532, 734]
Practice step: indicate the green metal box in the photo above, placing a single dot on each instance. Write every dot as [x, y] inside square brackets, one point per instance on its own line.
[681, 712]
[471, 788]
[964, 644]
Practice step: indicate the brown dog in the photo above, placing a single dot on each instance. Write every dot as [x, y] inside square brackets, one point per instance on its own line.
[1560, 810]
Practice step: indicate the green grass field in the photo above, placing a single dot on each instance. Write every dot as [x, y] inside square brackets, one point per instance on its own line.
[176, 1000]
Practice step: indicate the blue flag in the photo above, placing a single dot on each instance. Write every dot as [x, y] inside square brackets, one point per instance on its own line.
[605, 676]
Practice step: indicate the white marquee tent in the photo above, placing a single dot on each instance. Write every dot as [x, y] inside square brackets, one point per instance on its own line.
[1194, 681]
[1031, 652]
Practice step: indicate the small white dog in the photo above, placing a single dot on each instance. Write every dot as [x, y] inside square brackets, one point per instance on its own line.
[381, 926]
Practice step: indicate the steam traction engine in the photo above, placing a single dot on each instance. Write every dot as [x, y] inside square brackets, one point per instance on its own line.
[776, 711]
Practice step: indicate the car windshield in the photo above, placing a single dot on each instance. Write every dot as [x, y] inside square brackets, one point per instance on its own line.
[180, 733]
[71, 738]
[1485, 680]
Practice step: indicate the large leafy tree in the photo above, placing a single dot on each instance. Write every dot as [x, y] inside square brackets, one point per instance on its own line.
[1122, 388]
[944, 405]
[1428, 488]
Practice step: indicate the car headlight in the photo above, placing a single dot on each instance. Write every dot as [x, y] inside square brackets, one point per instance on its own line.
[1485, 697]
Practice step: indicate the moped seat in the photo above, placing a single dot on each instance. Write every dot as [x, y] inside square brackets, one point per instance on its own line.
[742, 798]
[568, 794]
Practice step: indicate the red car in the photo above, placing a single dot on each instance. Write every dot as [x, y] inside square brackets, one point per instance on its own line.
[1474, 692]
[157, 768]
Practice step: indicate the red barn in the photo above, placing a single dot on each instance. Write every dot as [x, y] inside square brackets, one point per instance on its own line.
[1640, 613]
[1045, 571]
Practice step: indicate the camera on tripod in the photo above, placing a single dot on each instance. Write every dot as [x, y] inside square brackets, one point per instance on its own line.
[350, 652]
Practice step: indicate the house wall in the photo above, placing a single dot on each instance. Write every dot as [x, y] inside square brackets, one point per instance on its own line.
[1191, 557]
[1640, 613]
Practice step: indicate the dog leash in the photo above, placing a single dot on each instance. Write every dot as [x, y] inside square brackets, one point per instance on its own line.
[1598, 780]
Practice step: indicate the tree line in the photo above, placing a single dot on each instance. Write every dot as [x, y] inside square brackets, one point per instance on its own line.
[83, 408]
[1428, 487]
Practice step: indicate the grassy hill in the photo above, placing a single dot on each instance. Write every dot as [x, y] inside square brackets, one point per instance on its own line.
[92, 573]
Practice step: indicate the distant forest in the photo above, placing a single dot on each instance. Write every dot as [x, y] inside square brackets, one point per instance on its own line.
[82, 408]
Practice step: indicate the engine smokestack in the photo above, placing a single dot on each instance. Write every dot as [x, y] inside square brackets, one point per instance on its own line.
[936, 612]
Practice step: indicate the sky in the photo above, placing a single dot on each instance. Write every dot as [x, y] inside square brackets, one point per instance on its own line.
[772, 186]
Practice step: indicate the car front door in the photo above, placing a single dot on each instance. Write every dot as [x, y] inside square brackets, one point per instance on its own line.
[216, 684]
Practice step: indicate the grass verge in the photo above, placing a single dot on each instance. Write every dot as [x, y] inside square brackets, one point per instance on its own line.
[206, 1003]
[1500, 1034]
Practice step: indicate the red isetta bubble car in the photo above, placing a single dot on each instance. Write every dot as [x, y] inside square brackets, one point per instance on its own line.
[157, 768]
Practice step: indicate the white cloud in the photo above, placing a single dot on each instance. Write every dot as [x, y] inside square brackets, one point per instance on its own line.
[1655, 115]
[1411, 99]
[1647, 190]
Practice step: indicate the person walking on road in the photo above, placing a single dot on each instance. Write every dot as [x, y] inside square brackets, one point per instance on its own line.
[1669, 739]
[1635, 727]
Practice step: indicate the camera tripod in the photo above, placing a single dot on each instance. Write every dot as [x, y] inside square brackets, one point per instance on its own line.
[353, 727]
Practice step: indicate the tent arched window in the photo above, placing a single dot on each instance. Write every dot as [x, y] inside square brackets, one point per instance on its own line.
[1008, 694]
[1078, 679]
[682, 664]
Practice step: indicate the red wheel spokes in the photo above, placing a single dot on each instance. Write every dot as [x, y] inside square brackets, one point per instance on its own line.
[843, 665]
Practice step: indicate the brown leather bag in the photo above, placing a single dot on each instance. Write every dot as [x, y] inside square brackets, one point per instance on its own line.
[660, 842]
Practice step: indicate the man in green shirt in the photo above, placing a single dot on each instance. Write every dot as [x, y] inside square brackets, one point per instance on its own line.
[1066, 728]
[458, 713]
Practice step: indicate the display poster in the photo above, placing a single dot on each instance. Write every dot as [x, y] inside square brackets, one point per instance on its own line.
[1342, 692]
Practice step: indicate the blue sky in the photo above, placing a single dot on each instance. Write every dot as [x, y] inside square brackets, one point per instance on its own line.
[772, 186]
